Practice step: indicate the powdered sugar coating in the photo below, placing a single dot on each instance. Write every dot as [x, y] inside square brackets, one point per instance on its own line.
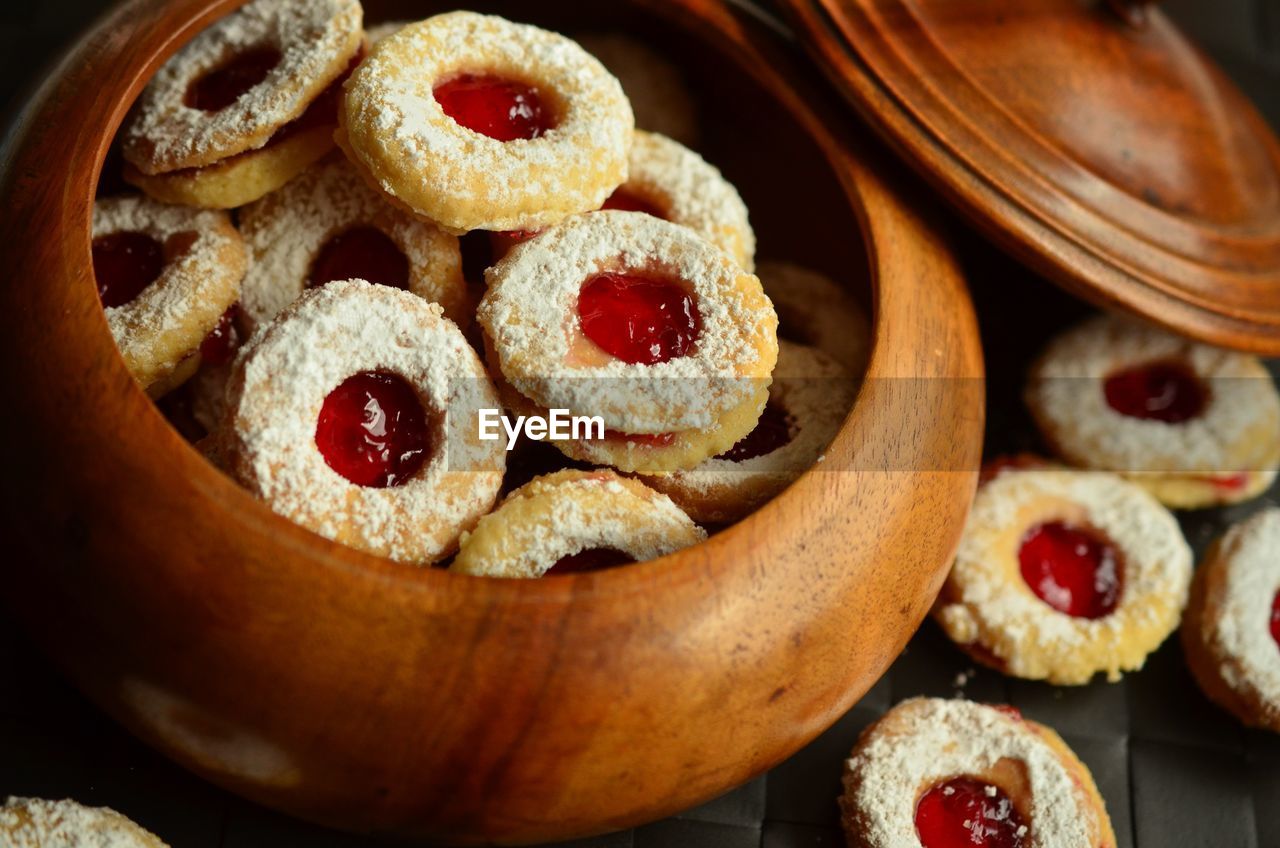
[392, 125]
[987, 602]
[35, 823]
[1238, 430]
[286, 230]
[568, 512]
[205, 261]
[817, 393]
[315, 38]
[530, 313]
[282, 378]
[692, 192]
[924, 741]
[1238, 629]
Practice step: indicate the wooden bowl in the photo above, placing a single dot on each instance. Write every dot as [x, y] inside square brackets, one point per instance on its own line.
[371, 696]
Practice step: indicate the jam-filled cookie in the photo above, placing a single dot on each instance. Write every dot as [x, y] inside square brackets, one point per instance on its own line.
[809, 398]
[247, 105]
[328, 224]
[814, 310]
[575, 521]
[354, 414]
[1193, 424]
[35, 823]
[166, 275]
[1231, 632]
[1064, 574]
[936, 773]
[479, 123]
[670, 181]
[633, 319]
[658, 92]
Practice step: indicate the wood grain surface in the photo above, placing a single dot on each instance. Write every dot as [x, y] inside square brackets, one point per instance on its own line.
[361, 694]
[1101, 149]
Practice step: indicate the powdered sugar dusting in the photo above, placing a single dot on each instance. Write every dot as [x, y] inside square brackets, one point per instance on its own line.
[693, 192]
[279, 385]
[989, 603]
[463, 179]
[924, 741]
[530, 313]
[316, 38]
[816, 392]
[568, 512]
[1250, 558]
[1239, 429]
[34, 823]
[170, 317]
[287, 229]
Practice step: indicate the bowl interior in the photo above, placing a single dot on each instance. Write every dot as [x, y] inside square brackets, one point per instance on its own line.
[799, 209]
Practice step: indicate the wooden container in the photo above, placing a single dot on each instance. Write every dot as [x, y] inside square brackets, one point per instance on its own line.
[376, 697]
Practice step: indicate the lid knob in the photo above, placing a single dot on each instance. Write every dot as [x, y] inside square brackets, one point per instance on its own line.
[1132, 12]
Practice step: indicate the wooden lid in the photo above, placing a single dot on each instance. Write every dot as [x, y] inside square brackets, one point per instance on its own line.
[1093, 140]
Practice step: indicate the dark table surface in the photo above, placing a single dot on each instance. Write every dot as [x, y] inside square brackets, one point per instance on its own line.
[1175, 771]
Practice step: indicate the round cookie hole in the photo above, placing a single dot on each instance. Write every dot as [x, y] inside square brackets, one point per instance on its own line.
[124, 264]
[775, 429]
[1076, 571]
[373, 430]
[964, 812]
[591, 559]
[360, 253]
[224, 85]
[639, 318]
[1165, 390]
[495, 106]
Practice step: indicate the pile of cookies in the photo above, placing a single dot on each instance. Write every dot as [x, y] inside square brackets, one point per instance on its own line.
[350, 246]
[1076, 566]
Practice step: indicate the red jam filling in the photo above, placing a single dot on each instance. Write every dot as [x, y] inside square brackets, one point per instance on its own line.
[625, 201]
[592, 559]
[124, 264]
[1072, 570]
[220, 88]
[373, 430]
[774, 430]
[1009, 710]
[964, 813]
[1275, 618]
[1228, 482]
[1157, 391]
[363, 253]
[223, 340]
[490, 105]
[638, 319]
